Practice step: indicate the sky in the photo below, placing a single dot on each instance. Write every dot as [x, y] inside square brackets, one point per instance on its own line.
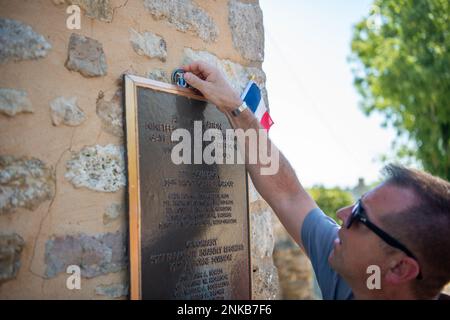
[319, 126]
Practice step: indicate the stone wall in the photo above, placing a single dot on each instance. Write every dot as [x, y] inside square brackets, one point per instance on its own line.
[62, 174]
[296, 275]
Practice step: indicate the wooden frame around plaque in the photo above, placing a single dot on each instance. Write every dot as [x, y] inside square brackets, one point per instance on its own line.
[241, 275]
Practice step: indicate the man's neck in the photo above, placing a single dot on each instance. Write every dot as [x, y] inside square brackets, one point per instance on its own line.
[385, 294]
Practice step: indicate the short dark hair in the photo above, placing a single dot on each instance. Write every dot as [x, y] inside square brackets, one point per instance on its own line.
[424, 226]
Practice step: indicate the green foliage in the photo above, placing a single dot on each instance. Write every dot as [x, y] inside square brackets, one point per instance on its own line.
[401, 65]
[331, 199]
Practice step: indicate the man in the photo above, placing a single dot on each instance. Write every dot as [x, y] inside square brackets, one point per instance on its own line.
[401, 228]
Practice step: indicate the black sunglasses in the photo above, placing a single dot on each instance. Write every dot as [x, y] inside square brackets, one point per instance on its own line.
[359, 214]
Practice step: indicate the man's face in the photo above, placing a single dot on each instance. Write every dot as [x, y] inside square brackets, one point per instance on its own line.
[358, 247]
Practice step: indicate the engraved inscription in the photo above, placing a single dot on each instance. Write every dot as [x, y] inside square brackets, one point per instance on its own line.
[194, 218]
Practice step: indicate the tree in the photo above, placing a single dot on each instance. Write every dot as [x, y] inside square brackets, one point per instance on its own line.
[331, 199]
[401, 65]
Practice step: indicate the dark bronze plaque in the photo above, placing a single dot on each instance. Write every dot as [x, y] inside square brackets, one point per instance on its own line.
[189, 225]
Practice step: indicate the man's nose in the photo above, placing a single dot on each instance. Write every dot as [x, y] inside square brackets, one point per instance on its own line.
[344, 213]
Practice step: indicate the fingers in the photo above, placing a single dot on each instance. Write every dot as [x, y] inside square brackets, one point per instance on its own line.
[188, 68]
[195, 70]
[200, 68]
[195, 81]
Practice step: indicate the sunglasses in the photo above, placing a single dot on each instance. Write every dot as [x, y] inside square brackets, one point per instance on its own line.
[359, 214]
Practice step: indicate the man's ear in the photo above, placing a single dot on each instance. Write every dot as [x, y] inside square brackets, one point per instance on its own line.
[403, 270]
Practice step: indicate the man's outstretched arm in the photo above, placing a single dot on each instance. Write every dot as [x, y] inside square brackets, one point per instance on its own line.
[282, 190]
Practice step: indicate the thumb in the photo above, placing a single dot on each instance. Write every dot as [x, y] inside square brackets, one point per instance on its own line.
[194, 81]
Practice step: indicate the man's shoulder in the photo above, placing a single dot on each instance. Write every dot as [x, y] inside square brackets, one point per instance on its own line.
[318, 234]
[444, 296]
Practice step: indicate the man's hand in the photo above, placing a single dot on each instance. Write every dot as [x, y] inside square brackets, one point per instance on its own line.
[213, 85]
[282, 190]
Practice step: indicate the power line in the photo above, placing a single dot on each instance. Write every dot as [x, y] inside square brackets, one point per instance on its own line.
[315, 108]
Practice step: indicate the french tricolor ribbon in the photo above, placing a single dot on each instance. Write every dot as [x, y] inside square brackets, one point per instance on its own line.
[255, 101]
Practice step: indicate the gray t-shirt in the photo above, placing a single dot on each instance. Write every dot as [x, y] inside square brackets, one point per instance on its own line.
[318, 234]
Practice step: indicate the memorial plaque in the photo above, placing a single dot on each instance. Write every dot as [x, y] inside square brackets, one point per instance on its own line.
[189, 223]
